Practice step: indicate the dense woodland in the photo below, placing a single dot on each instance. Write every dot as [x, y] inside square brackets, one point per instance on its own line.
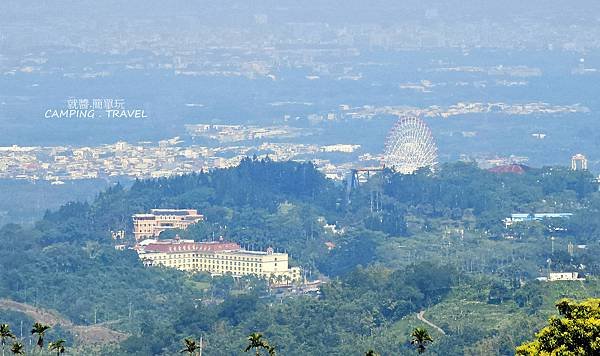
[432, 241]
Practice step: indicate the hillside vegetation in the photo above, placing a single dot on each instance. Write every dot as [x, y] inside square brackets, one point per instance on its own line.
[431, 241]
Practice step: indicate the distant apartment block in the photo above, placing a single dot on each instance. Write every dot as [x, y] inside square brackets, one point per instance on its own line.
[218, 258]
[146, 226]
[340, 148]
[517, 218]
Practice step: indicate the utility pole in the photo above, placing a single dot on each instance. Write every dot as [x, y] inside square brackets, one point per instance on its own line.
[201, 345]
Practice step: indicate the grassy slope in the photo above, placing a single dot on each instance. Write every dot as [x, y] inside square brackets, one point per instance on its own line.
[463, 309]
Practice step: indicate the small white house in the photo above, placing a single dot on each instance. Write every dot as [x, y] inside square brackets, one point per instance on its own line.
[565, 276]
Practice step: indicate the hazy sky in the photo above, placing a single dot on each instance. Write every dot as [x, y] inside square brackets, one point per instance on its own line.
[333, 11]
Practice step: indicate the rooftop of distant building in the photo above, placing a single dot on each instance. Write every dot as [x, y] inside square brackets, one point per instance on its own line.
[179, 245]
[183, 245]
[510, 168]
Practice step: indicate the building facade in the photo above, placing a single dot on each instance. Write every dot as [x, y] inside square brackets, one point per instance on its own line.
[565, 276]
[218, 258]
[147, 226]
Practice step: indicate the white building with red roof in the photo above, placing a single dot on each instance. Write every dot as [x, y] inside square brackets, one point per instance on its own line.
[218, 258]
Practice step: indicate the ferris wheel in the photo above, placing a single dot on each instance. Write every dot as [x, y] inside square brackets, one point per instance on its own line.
[410, 146]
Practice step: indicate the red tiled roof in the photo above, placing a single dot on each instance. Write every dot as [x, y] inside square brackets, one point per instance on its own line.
[511, 168]
[191, 246]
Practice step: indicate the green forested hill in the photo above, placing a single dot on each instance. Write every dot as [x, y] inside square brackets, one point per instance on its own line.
[404, 243]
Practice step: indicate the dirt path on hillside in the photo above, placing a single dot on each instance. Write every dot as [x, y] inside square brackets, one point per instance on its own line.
[421, 316]
[87, 335]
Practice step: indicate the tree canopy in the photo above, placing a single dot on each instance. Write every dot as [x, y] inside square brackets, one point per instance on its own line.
[575, 332]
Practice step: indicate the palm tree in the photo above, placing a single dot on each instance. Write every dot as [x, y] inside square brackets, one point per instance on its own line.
[18, 348]
[57, 346]
[191, 346]
[420, 337]
[371, 353]
[5, 334]
[257, 342]
[40, 329]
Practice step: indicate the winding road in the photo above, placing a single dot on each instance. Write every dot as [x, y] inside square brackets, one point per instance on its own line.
[85, 334]
[421, 317]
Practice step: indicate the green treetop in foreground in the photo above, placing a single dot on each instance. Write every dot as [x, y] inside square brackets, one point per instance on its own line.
[576, 332]
[40, 330]
[5, 334]
[191, 346]
[257, 342]
[57, 346]
[420, 338]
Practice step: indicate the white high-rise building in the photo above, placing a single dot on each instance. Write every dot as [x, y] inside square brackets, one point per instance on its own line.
[579, 162]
